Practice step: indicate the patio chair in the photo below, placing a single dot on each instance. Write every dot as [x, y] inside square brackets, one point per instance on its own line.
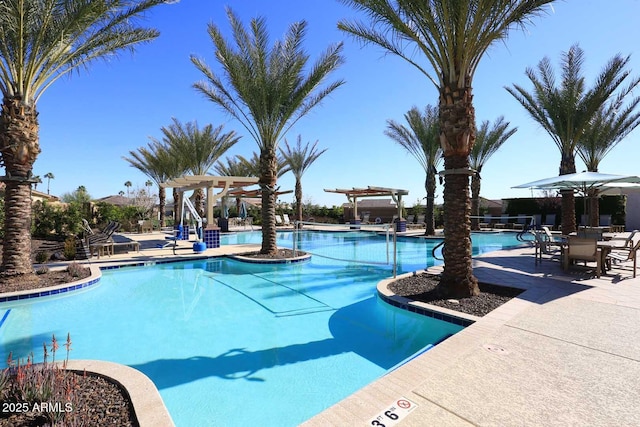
[285, 219]
[619, 256]
[585, 250]
[410, 219]
[546, 244]
[278, 220]
[365, 218]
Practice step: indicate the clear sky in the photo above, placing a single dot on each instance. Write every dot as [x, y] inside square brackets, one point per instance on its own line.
[92, 119]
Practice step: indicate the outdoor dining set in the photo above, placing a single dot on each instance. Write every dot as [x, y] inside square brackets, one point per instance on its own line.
[588, 245]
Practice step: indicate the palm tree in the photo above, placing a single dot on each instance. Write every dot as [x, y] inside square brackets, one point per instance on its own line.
[267, 89]
[299, 159]
[49, 177]
[565, 111]
[611, 124]
[252, 165]
[421, 140]
[488, 141]
[40, 42]
[197, 149]
[156, 162]
[128, 184]
[452, 36]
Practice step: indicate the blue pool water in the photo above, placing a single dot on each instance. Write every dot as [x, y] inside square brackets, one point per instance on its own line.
[229, 343]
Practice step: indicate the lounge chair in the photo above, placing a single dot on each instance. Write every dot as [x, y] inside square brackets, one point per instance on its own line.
[550, 221]
[486, 222]
[410, 219]
[581, 249]
[420, 220]
[285, 219]
[365, 218]
[626, 254]
[503, 221]
[605, 220]
[520, 222]
[278, 220]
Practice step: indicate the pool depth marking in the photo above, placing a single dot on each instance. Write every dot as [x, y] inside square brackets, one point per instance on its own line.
[394, 413]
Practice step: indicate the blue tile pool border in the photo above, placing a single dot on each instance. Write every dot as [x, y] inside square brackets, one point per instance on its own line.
[426, 312]
[48, 291]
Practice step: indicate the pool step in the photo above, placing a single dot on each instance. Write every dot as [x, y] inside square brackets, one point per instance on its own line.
[274, 297]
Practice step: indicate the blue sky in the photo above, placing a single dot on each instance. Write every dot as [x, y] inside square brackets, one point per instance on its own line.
[92, 119]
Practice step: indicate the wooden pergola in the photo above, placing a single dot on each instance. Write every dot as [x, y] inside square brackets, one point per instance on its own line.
[209, 182]
[354, 193]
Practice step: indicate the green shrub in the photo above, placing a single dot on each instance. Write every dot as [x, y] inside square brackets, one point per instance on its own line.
[43, 269]
[75, 269]
[42, 257]
[70, 248]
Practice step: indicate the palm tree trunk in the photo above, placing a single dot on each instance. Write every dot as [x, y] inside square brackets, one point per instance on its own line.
[16, 250]
[299, 199]
[457, 279]
[268, 180]
[429, 220]
[567, 166]
[162, 196]
[177, 207]
[457, 136]
[19, 148]
[475, 201]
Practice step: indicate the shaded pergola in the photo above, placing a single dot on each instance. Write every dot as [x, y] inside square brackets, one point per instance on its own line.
[226, 184]
[354, 194]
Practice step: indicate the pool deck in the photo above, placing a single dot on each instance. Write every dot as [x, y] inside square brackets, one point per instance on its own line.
[565, 352]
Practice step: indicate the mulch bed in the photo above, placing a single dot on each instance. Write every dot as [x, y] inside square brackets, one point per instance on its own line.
[97, 402]
[423, 287]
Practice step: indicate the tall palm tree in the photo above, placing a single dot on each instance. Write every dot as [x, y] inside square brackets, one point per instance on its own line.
[299, 159]
[49, 177]
[565, 110]
[128, 184]
[488, 141]
[156, 162]
[267, 89]
[452, 36]
[421, 140]
[40, 42]
[611, 124]
[198, 149]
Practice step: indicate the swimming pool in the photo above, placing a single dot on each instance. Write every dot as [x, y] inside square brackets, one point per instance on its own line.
[230, 343]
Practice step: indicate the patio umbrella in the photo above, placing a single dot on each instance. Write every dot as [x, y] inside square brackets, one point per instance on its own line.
[225, 213]
[582, 182]
[243, 211]
[589, 184]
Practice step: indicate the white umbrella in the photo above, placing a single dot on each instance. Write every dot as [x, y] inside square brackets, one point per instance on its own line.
[583, 182]
[592, 184]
